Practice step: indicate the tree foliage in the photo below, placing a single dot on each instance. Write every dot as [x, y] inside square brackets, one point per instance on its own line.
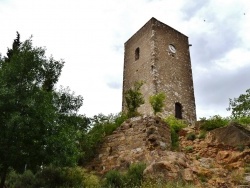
[240, 106]
[100, 127]
[38, 124]
[157, 102]
[134, 99]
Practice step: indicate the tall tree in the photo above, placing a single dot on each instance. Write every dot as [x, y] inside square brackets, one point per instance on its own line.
[38, 125]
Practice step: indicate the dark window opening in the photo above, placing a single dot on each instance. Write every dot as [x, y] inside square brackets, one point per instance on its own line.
[178, 110]
[137, 53]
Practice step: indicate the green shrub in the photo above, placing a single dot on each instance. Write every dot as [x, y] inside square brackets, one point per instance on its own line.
[174, 139]
[134, 175]
[51, 176]
[114, 179]
[134, 99]
[132, 178]
[157, 102]
[101, 126]
[202, 134]
[213, 123]
[244, 120]
[189, 149]
[191, 136]
[175, 126]
[27, 179]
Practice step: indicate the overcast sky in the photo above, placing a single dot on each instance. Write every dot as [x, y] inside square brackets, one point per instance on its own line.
[90, 35]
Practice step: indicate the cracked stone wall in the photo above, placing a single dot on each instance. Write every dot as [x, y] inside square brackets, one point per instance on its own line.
[161, 69]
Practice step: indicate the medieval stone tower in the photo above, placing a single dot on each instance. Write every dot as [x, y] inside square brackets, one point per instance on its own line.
[159, 56]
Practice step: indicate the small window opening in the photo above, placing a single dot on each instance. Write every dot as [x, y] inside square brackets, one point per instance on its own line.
[178, 110]
[137, 53]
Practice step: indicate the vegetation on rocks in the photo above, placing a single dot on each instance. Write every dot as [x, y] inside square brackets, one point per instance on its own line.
[175, 126]
[134, 99]
[157, 102]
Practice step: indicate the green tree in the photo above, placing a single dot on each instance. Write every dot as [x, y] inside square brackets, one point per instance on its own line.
[38, 124]
[134, 99]
[157, 102]
[240, 106]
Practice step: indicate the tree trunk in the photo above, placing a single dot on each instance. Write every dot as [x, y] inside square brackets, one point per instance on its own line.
[3, 177]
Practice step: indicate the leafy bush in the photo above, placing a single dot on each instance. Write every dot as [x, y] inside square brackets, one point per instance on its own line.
[191, 136]
[202, 134]
[27, 179]
[157, 102]
[175, 126]
[134, 175]
[132, 178]
[213, 123]
[101, 126]
[114, 179]
[189, 149]
[245, 120]
[134, 99]
[53, 177]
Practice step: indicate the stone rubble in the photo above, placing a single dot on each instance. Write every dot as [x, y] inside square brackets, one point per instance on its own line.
[206, 163]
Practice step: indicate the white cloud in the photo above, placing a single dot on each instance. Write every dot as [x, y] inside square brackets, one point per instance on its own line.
[89, 36]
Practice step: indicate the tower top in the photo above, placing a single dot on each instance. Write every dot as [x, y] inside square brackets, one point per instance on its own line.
[152, 22]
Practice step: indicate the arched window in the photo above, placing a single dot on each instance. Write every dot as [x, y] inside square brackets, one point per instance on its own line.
[137, 53]
[178, 110]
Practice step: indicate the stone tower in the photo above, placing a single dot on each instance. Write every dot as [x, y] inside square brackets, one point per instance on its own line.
[159, 56]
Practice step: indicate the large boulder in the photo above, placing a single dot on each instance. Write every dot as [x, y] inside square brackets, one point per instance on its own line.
[233, 135]
[171, 166]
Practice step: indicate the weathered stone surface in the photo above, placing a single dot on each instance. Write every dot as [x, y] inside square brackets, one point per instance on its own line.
[139, 139]
[147, 139]
[148, 58]
[232, 135]
[170, 166]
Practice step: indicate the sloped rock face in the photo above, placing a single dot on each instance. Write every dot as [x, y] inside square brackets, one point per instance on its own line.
[231, 135]
[139, 139]
[208, 162]
[170, 166]
[215, 160]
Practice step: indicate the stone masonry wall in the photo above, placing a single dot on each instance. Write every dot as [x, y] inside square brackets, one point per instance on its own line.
[136, 140]
[160, 69]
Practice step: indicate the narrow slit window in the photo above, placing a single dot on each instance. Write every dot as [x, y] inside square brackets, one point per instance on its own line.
[137, 53]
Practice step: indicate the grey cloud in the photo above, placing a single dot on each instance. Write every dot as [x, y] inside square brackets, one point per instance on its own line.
[191, 8]
[215, 44]
[114, 85]
[216, 87]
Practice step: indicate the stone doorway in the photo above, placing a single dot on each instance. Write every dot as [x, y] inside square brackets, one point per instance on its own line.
[178, 110]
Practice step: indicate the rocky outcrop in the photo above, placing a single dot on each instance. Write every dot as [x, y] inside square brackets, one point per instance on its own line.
[232, 135]
[171, 166]
[213, 161]
[139, 139]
